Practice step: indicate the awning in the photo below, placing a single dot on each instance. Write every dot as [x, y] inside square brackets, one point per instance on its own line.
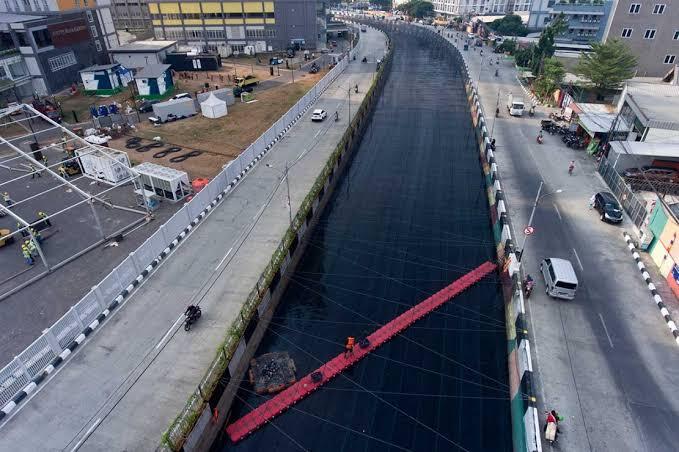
[601, 122]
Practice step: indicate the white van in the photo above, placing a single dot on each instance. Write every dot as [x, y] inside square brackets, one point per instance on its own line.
[560, 279]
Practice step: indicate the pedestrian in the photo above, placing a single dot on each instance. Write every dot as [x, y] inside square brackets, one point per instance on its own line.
[44, 160]
[45, 219]
[571, 167]
[8, 201]
[36, 234]
[34, 171]
[349, 348]
[27, 254]
[492, 144]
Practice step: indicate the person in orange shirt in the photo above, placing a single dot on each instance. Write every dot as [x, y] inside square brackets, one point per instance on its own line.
[350, 346]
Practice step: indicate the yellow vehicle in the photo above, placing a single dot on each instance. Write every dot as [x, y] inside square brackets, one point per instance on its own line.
[5, 240]
[247, 81]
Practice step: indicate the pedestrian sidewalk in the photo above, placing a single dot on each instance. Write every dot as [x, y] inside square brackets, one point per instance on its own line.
[127, 383]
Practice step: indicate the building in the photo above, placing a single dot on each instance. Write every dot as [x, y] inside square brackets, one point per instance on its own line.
[586, 19]
[463, 7]
[131, 15]
[154, 81]
[15, 81]
[50, 49]
[651, 109]
[651, 30]
[142, 53]
[98, 11]
[105, 79]
[229, 27]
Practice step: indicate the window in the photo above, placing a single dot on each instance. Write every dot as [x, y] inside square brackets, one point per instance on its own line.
[90, 18]
[62, 61]
[42, 38]
[9, 8]
[650, 33]
[17, 70]
[97, 44]
[626, 32]
[634, 8]
[659, 8]
[669, 59]
[21, 37]
[676, 35]
[240, 48]
[94, 31]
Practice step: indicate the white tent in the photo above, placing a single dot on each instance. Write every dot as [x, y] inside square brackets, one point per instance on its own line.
[213, 107]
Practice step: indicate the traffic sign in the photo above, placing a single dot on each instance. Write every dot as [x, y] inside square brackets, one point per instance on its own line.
[528, 230]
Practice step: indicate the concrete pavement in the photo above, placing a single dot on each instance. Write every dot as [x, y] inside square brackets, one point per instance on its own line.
[604, 360]
[124, 387]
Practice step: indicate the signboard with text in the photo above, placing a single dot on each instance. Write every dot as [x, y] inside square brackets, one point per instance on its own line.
[68, 33]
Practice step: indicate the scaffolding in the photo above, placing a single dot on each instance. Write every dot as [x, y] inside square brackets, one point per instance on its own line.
[73, 183]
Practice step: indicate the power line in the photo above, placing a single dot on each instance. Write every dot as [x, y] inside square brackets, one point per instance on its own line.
[417, 421]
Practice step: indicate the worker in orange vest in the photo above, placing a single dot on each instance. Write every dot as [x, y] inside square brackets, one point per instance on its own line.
[350, 346]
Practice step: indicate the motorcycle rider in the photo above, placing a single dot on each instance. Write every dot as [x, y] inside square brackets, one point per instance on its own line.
[552, 418]
[336, 116]
[192, 311]
[540, 137]
[571, 167]
[528, 284]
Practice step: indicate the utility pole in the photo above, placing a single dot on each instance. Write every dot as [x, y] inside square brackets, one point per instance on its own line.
[497, 109]
[538, 198]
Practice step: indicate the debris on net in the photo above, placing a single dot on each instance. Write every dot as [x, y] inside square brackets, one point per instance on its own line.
[272, 372]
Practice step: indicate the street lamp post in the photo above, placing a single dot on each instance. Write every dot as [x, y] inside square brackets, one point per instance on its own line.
[538, 198]
[287, 185]
[497, 107]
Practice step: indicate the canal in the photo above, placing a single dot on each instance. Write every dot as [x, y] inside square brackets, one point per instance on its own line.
[409, 216]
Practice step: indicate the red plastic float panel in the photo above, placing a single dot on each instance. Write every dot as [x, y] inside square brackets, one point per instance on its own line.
[305, 386]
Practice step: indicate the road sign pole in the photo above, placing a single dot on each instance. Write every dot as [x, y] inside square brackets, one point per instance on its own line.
[530, 220]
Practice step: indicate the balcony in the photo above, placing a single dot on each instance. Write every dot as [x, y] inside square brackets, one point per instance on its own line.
[579, 8]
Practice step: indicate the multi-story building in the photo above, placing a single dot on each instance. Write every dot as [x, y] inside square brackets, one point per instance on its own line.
[131, 15]
[586, 19]
[232, 26]
[99, 8]
[43, 53]
[463, 7]
[651, 30]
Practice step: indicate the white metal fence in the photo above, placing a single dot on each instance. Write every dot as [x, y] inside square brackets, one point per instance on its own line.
[31, 363]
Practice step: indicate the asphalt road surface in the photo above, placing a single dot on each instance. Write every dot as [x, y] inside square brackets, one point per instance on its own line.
[606, 360]
[409, 217]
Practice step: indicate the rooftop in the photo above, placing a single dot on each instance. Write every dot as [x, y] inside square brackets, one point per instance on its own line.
[664, 150]
[100, 67]
[152, 71]
[657, 104]
[8, 18]
[143, 46]
[602, 122]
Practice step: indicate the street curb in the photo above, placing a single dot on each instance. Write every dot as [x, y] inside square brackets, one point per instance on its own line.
[56, 362]
[651, 287]
[528, 93]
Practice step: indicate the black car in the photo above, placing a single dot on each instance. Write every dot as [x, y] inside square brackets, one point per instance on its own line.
[147, 106]
[608, 207]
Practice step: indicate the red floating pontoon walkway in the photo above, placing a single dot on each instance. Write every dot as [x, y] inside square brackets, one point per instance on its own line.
[305, 386]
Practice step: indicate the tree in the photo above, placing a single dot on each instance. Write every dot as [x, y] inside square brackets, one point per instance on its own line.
[524, 55]
[608, 65]
[545, 47]
[384, 5]
[508, 45]
[551, 78]
[416, 8]
[509, 25]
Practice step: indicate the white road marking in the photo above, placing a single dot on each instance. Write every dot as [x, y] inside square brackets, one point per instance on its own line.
[87, 435]
[579, 261]
[557, 212]
[606, 330]
[259, 212]
[223, 259]
[169, 331]
[319, 131]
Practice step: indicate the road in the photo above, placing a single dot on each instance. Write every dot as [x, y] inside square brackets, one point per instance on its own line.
[606, 359]
[129, 381]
